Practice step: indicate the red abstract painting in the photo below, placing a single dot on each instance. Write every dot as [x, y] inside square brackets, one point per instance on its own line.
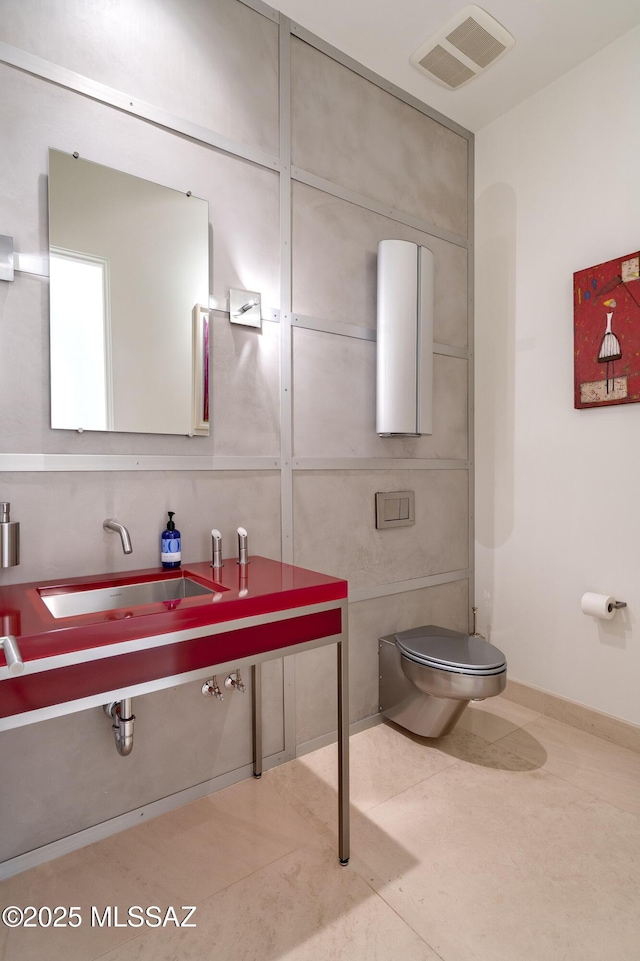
[606, 312]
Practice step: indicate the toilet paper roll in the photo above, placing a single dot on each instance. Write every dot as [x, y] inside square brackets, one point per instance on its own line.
[598, 605]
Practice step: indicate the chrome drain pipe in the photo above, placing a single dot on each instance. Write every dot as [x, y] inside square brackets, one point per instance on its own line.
[123, 727]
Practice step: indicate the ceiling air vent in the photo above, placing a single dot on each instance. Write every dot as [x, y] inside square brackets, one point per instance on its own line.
[463, 48]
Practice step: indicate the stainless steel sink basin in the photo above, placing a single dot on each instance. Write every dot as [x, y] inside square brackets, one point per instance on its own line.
[95, 600]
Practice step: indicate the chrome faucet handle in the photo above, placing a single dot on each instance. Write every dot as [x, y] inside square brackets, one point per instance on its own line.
[243, 547]
[12, 654]
[216, 549]
[210, 689]
[233, 682]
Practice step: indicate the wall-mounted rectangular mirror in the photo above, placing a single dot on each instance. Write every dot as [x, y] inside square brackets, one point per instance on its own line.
[129, 265]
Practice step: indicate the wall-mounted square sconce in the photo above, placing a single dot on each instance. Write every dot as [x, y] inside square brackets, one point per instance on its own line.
[6, 258]
[244, 308]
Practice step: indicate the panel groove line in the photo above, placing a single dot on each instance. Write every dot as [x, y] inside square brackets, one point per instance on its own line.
[307, 322]
[375, 206]
[27, 463]
[324, 47]
[286, 365]
[286, 339]
[378, 463]
[52, 73]
[269, 314]
[404, 587]
[471, 378]
[262, 8]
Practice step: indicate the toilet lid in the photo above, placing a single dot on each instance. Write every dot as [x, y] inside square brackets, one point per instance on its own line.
[450, 650]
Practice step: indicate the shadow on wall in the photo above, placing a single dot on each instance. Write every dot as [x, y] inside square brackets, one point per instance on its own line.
[495, 279]
[618, 632]
[495, 360]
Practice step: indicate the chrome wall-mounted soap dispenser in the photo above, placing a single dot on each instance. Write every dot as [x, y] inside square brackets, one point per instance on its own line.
[9, 537]
[243, 547]
[216, 549]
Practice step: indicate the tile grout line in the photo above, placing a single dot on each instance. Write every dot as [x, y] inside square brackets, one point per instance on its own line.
[578, 787]
[116, 947]
[410, 787]
[397, 913]
[576, 730]
[149, 931]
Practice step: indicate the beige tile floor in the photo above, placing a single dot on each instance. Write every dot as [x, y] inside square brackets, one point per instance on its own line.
[516, 837]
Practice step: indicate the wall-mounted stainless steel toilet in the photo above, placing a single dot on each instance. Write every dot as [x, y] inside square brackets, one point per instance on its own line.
[429, 674]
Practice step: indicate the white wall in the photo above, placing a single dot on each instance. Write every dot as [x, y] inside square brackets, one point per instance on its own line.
[557, 489]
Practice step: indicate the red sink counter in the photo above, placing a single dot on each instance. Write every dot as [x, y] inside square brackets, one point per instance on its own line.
[257, 610]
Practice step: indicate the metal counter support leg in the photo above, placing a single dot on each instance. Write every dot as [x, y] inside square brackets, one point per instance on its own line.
[343, 752]
[256, 704]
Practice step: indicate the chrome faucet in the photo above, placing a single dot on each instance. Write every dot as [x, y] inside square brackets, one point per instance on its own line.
[112, 525]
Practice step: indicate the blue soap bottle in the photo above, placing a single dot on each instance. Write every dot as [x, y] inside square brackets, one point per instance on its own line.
[170, 547]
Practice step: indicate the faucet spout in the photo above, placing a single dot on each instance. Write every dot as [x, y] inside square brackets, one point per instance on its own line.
[112, 525]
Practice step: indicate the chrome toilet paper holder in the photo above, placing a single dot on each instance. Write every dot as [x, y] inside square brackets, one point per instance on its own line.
[602, 606]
